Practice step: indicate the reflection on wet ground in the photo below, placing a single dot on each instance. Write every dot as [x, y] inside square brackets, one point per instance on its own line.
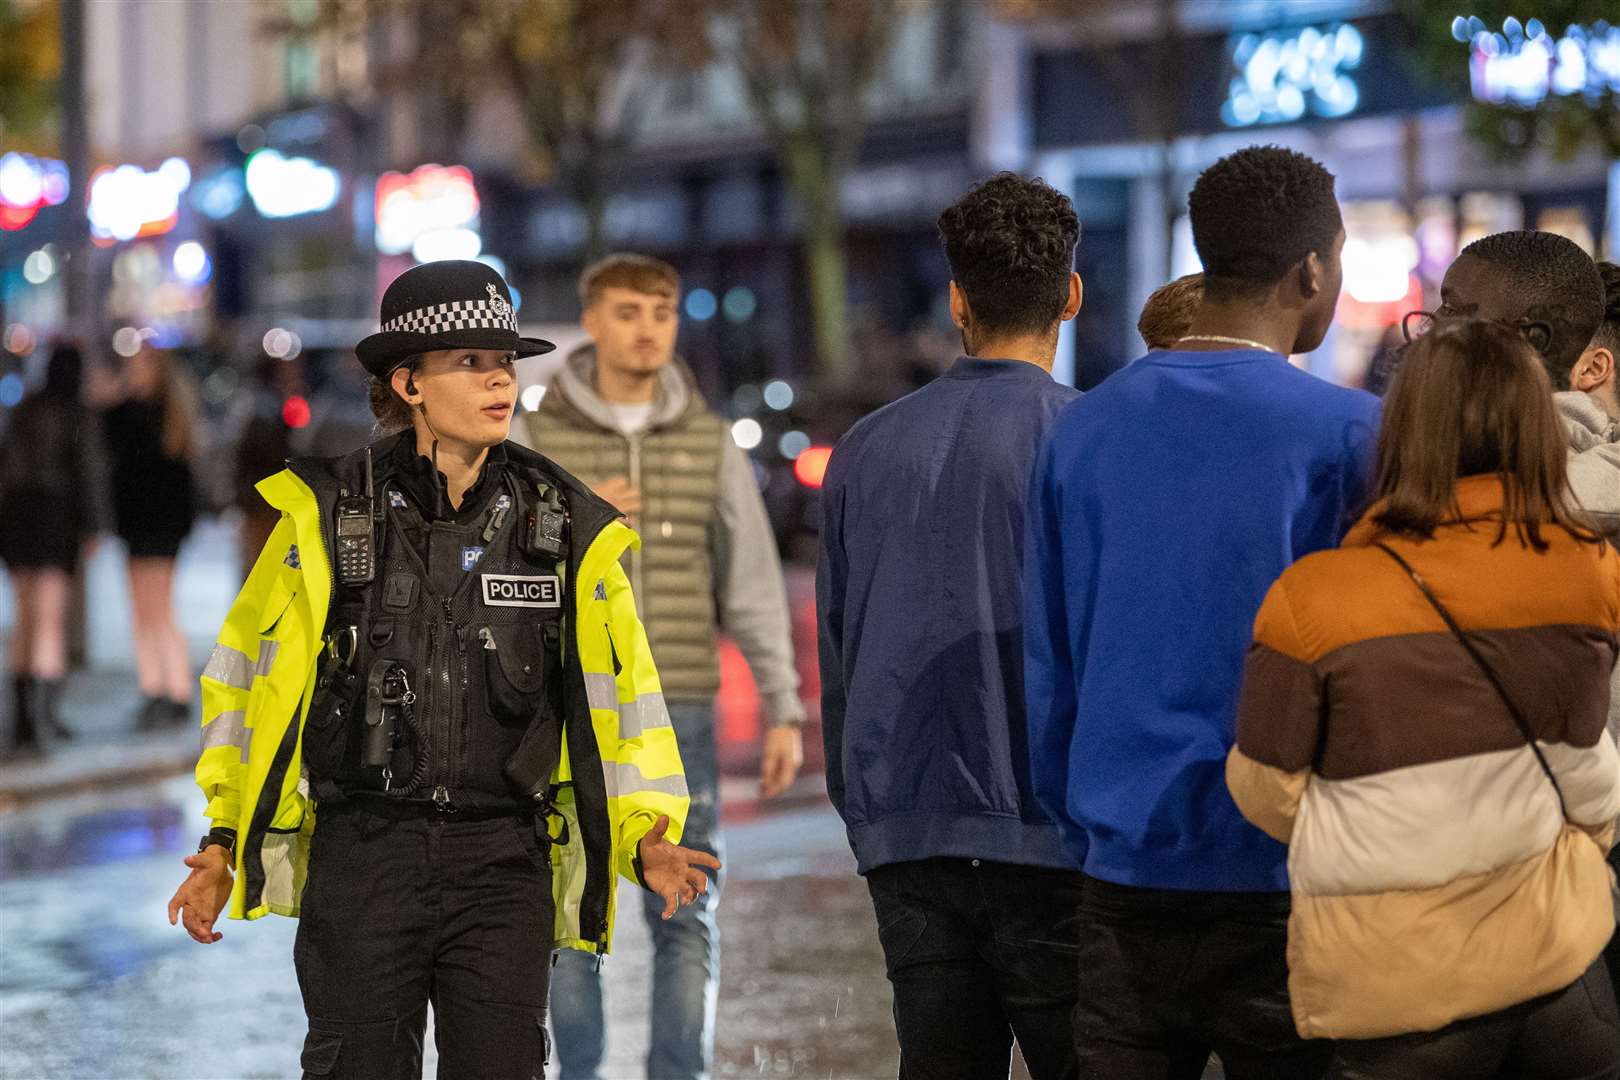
[95, 984]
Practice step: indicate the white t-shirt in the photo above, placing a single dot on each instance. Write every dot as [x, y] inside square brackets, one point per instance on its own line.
[631, 418]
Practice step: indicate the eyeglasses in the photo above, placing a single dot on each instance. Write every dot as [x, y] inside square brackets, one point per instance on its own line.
[1414, 324]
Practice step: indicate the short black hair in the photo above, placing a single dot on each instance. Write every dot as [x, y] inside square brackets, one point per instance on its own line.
[1558, 284]
[1010, 243]
[1608, 335]
[1257, 213]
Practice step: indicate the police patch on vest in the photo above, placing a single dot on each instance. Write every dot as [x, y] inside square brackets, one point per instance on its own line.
[513, 590]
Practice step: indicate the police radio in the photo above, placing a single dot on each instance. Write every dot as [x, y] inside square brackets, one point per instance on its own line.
[356, 535]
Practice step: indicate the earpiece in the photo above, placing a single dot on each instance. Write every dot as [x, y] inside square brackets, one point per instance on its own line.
[410, 385]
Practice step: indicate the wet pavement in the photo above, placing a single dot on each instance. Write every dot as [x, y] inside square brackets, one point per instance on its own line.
[94, 983]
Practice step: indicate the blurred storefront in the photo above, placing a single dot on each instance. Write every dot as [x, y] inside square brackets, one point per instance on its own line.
[723, 217]
[1413, 184]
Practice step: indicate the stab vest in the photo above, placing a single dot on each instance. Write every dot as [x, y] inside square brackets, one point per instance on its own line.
[469, 626]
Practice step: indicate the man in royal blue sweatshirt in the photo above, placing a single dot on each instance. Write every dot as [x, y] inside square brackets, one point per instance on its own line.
[919, 594]
[1165, 503]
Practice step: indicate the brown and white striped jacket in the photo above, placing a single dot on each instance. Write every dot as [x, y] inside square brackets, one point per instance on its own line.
[1433, 874]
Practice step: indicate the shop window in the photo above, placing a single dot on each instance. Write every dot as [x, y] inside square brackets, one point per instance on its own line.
[1570, 222]
[1484, 213]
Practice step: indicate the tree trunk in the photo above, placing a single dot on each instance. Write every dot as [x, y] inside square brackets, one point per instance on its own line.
[593, 206]
[817, 184]
[83, 314]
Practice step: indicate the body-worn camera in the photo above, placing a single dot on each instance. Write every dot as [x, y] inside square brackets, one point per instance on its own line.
[547, 531]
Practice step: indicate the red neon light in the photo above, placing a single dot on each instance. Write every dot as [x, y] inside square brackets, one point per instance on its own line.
[295, 412]
[430, 197]
[13, 218]
[811, 466]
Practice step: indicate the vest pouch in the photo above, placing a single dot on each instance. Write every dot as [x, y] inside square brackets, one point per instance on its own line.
[515, 661]
[329, 725]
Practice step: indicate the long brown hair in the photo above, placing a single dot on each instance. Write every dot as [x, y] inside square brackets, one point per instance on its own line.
[179, 403]
[1471, 399]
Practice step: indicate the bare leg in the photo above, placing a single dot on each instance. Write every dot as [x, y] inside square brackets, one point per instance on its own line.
[23, 585]
[149, 596]
[49, 651]
[175, 670]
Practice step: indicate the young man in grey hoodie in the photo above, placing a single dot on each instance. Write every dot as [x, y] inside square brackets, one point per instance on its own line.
[625, 416]
[1591, 411]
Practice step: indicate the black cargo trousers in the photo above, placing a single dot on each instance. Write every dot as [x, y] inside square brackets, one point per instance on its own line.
[404, 906]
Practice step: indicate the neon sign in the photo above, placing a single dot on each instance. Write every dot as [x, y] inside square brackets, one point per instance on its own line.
[431, 202]
[283, 187]
[128, 201]
[26, 184]
[1284, 75]
[1523, 64]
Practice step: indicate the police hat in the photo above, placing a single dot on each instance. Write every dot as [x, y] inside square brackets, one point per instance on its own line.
[450, 304]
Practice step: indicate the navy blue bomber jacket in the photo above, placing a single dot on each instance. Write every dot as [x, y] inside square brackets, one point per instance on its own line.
[919, 595]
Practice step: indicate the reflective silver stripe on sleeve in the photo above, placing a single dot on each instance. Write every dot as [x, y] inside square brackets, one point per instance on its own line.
[230, 666]
[601, 690]
[624, 778]
[228, 729]
[236, 669]
[643, 714]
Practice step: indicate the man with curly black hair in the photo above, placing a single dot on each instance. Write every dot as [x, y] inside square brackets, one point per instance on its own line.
[918, 598]
[1164, 504]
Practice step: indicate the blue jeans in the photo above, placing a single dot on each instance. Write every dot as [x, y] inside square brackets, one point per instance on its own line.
[686, 949]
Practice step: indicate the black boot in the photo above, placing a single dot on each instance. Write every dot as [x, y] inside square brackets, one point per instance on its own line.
[47, 694]
[150, 717]
[176, 714]
[24, 732]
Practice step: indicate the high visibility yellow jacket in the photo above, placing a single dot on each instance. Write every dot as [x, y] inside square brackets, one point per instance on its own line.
[619, 770]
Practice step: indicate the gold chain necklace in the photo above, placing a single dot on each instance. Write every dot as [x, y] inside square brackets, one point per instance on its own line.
[1248, 343]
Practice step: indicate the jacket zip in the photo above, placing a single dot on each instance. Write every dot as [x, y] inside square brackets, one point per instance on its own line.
[461, 729]
[635, 482]
[443, 707]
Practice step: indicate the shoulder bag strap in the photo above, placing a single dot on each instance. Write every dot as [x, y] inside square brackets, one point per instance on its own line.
[1489, 672]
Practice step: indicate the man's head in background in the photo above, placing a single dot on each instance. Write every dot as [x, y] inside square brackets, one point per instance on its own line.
[1010, 244]
[1539, 282]
[1268, 231]
[1594, 373]
[630, 308]
[1168, 313]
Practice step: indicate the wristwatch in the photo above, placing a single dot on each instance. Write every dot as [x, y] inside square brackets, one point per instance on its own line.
[225, 838]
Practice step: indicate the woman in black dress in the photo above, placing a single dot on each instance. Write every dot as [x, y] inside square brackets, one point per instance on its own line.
[51, 497]
[152, 439]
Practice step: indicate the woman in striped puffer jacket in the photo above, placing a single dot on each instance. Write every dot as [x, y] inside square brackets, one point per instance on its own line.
[1450, 896]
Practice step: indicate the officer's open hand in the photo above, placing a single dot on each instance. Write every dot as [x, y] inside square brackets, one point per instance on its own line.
[672, 871]
[203, 895]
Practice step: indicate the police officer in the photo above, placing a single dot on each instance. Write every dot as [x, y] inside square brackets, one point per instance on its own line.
[431, 726]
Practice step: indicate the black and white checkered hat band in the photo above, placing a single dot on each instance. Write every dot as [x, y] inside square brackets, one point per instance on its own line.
[456, 315]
